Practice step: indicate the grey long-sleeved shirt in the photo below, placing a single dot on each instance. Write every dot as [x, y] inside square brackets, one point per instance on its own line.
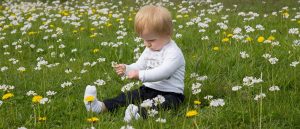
[161, 70]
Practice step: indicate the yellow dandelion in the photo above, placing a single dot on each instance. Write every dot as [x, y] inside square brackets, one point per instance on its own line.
[298, 22]
[225, 40]
[93, 119]
[186, 15]
[42, 118]
[96, 50]
[29, 18]
[108, 24]
[37, 98]
[65, 13]
[178, 16]
[197, 102]
[271, 38]
[216, 48]
[191, 113]
[229, 35]
[32, 33]
[94, 11]
[249, 39]
[260, 39]
[7, 96]
[82, 28]
[224, 33]
[75, 31]
[286, 14]
[109, 15]
[92, 29]
[130, 19]
[93, 35]
[51, 26]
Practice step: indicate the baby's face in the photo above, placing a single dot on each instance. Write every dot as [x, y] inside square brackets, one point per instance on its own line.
[153, 41]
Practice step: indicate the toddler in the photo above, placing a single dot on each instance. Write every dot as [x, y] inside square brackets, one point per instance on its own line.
[161, 68]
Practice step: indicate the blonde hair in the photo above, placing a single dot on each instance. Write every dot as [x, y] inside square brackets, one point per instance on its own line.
[154, 19]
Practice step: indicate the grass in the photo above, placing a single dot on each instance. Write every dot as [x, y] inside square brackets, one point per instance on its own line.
[225, 68]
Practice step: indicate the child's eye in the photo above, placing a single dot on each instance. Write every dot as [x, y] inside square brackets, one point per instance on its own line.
[151, 40]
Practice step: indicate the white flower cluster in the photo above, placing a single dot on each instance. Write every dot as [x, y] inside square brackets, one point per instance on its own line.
[274, 88]
[66, 84]
[236, 88]
[31, 93]
[244, 54]
[196, 87]
[159, 100]
[161, 120]
[250, 81]
[217, 102]
[260, 96]
[127, 127]
[5, 87]
[272, 60]
[99, 82]
[50, 93]
[127, 87]
[294, 63]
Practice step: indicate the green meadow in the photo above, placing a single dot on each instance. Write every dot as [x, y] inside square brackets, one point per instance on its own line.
[241, 63]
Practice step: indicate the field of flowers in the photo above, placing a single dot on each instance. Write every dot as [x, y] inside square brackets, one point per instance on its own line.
[241, 63]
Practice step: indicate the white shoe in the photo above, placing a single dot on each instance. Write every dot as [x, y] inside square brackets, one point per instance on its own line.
[95, 105]
[131, 113]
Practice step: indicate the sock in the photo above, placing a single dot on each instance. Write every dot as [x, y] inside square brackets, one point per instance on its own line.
[95, 106]
[131, 113]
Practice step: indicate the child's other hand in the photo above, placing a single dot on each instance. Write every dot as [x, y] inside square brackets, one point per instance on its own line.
[120, 69]
[134, 74]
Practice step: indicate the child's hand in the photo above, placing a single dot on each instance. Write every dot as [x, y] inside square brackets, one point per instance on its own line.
[134, 74]
[120, 69]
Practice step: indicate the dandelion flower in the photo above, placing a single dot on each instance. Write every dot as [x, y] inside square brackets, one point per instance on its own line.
[7, 96]
[248, 39]
[225, 40]
[96, 50]
[93, 35]
[191, 113]
[229, 35]
[93, 119]
[260, 39]
[271, 38]
[197, 102]
[37, 99]
[216, 48]
[42, 118]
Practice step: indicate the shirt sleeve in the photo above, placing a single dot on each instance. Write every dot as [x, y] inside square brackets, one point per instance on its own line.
[171, 62]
